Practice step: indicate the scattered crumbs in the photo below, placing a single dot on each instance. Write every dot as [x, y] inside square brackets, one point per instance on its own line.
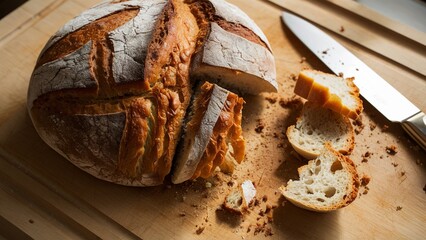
[372, 126]
[385, 128]
[365, 156]
[341, 74]
[182, 214]
[365, 180]
[271, 99]
[403, 173]
[392, 150]
[199, 230]
[264, 198]
[342, 29]
[302, 60]
[395, 164]
[293, 77]
[424, 188]
[32, 221]
[208, 184]
[325, 51]
[398, 208]
[259, 127]
[290, 102]
[359, 125]
[418, 162]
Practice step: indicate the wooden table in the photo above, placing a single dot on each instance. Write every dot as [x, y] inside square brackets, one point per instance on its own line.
[43, 196]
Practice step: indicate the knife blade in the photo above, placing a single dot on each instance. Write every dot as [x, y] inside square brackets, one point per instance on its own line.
[379, 93]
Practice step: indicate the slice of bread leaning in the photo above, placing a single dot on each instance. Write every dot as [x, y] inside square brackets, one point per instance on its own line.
[213, 130]
[326, 183]
[316, 126]
[330, 91]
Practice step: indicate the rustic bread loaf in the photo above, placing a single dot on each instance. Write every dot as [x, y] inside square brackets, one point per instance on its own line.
[316, 126]
[326, 183]
[111, 88]
[330, 91]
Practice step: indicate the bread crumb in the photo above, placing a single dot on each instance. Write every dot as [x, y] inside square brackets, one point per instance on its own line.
[271, 99]
[182, 214]
[199, 230]
[259, 127]
[293, 77]
[365, 180]
[302, 60]
[398, 208]
[264, 198]
[424, 188]
[385, 128]
[359, 125]
[372, 126]
[290, 102]
[365, 156]
[392, 150]
[342, 29]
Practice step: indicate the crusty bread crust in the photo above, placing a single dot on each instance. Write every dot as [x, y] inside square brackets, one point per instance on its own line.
[310, 87]
[339, 164]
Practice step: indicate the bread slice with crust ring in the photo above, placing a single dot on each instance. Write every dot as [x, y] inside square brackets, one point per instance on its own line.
[316, 126]
[330, 91]
[326, 183]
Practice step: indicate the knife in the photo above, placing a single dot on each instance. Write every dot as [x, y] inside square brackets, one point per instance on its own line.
[379, 93]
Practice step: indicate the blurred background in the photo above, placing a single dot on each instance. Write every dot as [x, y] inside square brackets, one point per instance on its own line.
[410, 12]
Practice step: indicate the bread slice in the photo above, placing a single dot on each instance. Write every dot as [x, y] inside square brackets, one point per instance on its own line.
[240, 198]
[316, 126]
[214, 124]
[326, 183]
[330, 91]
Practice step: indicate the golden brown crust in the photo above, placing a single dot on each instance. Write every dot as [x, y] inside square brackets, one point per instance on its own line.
[313, 91]
[224, 131]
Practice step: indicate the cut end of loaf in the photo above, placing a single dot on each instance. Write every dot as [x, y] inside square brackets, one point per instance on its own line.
[326, 183]
[330, 91]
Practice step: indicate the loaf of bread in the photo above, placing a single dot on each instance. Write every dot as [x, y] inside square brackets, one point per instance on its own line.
[111, 89]
[316, 126]
[330, 91]
[326, 183]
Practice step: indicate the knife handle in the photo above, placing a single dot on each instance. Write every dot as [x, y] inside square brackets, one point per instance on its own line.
[415, 126]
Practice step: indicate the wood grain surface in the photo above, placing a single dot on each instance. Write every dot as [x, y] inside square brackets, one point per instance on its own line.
[43, 196]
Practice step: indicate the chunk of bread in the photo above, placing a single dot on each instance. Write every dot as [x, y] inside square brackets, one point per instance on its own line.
[330, 91]
[213, 125]
[239, 199]
[316, 126]
[326, 183]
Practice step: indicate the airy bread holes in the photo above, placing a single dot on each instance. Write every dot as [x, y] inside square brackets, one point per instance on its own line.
[337, 165]
[330, 191]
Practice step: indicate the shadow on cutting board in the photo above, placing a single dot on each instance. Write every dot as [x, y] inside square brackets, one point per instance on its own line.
[297, 223]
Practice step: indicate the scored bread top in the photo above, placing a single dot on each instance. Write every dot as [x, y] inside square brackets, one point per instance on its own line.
[330, 91]
[129, 59]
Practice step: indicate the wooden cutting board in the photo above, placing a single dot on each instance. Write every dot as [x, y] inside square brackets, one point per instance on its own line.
[43, 196]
